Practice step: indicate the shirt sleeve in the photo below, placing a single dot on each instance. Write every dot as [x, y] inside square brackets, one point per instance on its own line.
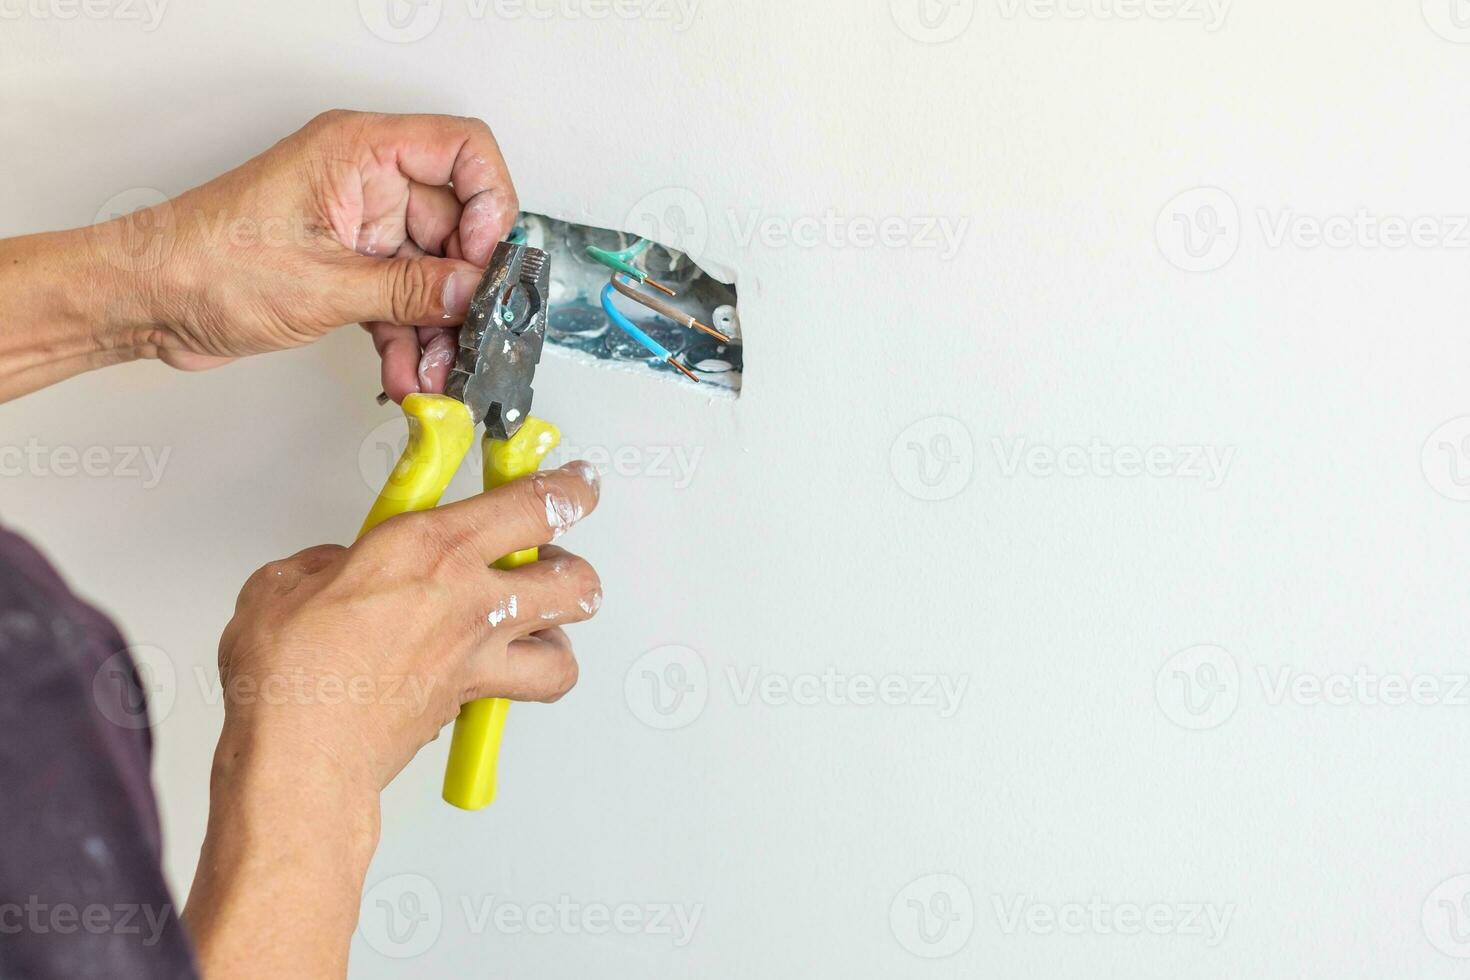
[82, 892]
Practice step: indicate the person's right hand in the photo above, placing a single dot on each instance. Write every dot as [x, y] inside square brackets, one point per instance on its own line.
[364, 653]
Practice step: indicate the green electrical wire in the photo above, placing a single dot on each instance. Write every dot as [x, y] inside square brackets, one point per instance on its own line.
[619, 261]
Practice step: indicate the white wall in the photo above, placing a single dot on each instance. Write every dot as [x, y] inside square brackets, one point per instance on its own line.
[1320, 830]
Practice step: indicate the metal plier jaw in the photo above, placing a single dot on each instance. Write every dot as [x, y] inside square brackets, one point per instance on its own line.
[501, 340]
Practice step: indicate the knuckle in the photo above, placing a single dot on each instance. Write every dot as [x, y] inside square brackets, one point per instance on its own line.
[581, 582]
[410, 290]
[329, 118]
[563, 679]
[265, 574]
[530, 507]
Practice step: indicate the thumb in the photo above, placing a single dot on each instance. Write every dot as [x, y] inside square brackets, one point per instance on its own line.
[423, 291]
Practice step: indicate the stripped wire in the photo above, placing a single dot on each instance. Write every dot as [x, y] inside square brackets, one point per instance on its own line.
[632, 330]
[666, 309]
[623, 262]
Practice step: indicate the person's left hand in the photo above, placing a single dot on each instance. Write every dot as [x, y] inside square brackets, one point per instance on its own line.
[382, 220]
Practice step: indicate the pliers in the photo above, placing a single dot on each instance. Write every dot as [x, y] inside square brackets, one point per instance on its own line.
[499, 347]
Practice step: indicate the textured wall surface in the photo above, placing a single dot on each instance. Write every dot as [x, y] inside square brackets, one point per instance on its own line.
[1046, 604]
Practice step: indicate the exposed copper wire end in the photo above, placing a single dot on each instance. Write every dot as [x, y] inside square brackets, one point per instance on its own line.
[682, 369]
[659, 286]
[709, 331]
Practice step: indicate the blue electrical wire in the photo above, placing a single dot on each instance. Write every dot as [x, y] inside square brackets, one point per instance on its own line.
[629, 327]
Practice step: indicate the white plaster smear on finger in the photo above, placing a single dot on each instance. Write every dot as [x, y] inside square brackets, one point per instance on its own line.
[505, 610]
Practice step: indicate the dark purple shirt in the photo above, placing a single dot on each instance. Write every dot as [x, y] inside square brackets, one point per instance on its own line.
[82, 892]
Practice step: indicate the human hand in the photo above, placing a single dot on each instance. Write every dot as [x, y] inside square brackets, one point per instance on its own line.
[382, 220]
[339, 665]
[363, 654]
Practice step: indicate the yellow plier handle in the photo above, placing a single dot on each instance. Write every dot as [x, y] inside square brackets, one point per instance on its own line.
[474, 752]
[440, 432]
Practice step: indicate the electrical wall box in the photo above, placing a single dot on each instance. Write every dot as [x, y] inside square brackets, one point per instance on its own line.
[576, 320]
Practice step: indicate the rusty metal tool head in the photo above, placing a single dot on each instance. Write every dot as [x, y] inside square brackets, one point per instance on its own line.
[501, 340]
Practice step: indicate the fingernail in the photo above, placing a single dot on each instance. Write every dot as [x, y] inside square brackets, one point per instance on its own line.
[587, 472]
[561, 511]
[459, 288]
[437, 356]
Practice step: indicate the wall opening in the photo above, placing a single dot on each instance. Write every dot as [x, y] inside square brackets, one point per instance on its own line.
[577, 321]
